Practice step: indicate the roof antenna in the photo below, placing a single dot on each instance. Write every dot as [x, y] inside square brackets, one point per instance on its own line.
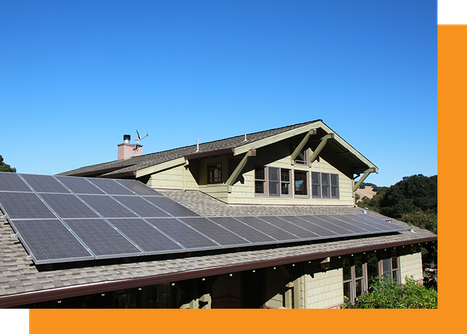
[137, 139]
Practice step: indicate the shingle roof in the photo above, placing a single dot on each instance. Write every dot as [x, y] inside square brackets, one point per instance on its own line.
[18, 276]
[137, 163]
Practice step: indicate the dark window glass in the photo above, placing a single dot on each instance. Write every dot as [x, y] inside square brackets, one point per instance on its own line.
[325, 185]
[273, 181]
[259, 187]
[346, 266]
[259, 173]
[372, 265]
[300, 183]
[334, 186]
[347, 289]
[259, 180]
[359, 287]
[316, 185]
[285, 181]
[215, 173]
[358, 266]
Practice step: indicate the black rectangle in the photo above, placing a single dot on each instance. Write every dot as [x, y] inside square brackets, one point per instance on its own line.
[24, 205]
[79, 185]
[268, 229]
[170, 206]
[138, 187]
[141, 207]
[110, 186]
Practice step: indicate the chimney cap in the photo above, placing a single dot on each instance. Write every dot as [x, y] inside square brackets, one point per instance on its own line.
[126, 139]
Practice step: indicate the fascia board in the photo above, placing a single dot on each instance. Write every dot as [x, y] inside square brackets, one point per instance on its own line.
[160, 167]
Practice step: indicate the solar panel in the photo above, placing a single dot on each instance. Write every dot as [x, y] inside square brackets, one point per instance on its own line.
[184, 235]
[44, 184]
[12, 182]
[110, 187]
[284, 224]
[63, 219]
[146, 236]
[49, 241]
[106, 206]
[24, 205]
[138, 187]
[141, 207]
[102, 239]
[268, 229]
[215, 232]
[68, 206]
[243, 230]
[172, 207]
[79, 185]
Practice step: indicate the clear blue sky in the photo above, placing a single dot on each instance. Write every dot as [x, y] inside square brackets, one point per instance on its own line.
[75, 76]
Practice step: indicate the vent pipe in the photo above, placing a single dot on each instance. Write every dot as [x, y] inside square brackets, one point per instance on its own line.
[126, 139]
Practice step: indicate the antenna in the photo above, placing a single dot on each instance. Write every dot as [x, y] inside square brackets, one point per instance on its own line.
[137, 139]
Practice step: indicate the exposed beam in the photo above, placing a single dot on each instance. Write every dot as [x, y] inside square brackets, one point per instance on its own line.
[321, 145]
[365, 175]
[300, 146]
[230, 181]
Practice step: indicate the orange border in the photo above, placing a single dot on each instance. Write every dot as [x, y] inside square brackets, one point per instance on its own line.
[452, 117]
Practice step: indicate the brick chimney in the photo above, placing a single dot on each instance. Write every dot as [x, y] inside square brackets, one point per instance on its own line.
[127, 150]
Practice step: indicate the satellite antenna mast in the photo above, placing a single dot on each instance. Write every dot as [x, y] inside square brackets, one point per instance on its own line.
[137, 139]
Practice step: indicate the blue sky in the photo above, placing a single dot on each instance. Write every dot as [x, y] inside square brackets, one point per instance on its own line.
[75, 76]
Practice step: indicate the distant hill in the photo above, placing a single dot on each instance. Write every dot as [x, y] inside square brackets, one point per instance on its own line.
[367, 192]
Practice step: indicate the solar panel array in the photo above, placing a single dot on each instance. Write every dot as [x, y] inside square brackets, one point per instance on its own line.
[63, 219]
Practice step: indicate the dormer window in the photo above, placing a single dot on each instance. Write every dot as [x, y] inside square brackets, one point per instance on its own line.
[215, 173]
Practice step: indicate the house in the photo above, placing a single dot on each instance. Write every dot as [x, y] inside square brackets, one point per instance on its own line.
[303, 170]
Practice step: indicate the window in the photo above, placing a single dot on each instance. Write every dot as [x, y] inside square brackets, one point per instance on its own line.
[279, 181]
[389, 266]
[354, 276]
[274, 183]
[302, 158]
[260, 180]
[215, 173]
[324, 185]
[301, 186]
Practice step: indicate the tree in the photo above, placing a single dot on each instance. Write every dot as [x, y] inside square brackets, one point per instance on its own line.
[4, 167]
[384, 293]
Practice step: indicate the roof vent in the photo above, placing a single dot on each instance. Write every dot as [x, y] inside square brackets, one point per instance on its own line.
[126, 139]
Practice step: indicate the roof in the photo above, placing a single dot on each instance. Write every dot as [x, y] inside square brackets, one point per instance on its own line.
[236, 145]
[23, 283]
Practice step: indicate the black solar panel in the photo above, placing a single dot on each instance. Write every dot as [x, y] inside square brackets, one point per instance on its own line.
[44, 184]
[49, 241]
[106, 206]
[101, 238]
[268, 229]
[79, 185]
[243, 230]
[184, 235]
[138, 187]
[68, 206]
[172, 207]
[141, 207]
[23, 206]
[146, 236]
[214, 231]
[110, 187]
[12, 182]
[62, 219]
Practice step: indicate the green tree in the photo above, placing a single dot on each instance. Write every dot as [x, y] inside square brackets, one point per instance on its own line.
[4, 167]
[389, 294]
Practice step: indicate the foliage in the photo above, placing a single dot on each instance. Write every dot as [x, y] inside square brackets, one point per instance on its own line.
[4, 167]
[386, 294]
[413, 200]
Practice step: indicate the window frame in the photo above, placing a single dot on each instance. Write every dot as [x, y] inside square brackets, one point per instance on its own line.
[353, 280]
[329, 187]
[211, 178]
[261, 180]
[306, 179]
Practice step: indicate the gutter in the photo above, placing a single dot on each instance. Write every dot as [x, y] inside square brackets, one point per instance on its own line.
[62, 293]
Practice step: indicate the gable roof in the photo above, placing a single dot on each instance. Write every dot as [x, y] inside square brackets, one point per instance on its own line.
[142, 165]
